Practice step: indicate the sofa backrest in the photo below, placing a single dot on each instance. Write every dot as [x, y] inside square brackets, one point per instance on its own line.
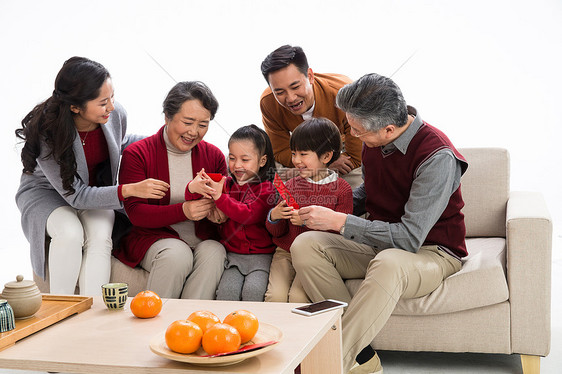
[485, 191]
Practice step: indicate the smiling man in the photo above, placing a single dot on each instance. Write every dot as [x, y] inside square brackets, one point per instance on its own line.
[296, 93]
[413, 236]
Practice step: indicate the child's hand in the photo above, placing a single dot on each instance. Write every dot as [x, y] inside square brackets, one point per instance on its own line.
[216, 187]
[201, 184]
[281, 211]
[296, 219]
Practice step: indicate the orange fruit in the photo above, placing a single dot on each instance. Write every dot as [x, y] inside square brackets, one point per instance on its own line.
[146, 304]
[183, 336]
[221, 338]
[245, 322]
[204, 319]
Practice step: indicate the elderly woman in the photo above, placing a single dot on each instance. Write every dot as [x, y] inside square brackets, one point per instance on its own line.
[172, 238]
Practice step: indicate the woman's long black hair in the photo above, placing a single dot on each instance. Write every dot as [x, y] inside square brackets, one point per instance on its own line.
[51, 121]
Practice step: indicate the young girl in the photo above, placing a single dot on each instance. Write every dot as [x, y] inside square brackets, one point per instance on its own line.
[68, 189]
[245, 198]
[314, 145]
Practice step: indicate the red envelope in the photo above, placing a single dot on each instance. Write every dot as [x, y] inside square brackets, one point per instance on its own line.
[284, 192]
[215, 176]
[246, 348]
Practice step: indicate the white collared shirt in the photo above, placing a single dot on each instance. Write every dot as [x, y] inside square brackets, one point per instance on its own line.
[308, 114]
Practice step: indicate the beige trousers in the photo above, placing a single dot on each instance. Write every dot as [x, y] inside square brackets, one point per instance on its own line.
[283, 285]
[354, 178]
[324, 260]
[177, 271]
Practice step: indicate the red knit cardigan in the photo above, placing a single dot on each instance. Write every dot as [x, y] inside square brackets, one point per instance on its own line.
[247, 207]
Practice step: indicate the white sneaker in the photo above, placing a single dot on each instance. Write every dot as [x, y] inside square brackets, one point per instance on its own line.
[373, 366]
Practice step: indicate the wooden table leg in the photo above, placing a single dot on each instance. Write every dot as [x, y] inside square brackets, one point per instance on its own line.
[531, 364]
[326, 357]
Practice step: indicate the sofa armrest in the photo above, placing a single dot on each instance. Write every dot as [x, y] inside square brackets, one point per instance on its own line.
[529, 261]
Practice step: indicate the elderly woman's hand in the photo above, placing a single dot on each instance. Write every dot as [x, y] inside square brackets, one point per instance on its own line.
[217, 216]
[196, 210]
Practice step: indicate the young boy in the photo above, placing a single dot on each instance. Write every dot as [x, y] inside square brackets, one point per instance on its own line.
[315, 144]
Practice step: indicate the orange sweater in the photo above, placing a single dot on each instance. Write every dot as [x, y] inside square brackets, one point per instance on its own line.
[280, 122]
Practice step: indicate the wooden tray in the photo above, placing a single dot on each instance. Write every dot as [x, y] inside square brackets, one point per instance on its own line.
[54, 308]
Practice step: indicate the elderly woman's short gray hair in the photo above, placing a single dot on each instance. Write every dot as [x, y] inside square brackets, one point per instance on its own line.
[189, 90]
[374, 100]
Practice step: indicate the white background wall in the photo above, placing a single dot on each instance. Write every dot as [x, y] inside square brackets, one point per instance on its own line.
[486, 72]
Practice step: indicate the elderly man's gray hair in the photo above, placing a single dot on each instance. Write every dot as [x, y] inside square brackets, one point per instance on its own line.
[374, 100]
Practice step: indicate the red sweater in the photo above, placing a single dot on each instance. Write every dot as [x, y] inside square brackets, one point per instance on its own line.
[151, 219]
[388, 180]
[335, 195]
[246, 206]
[95, 151]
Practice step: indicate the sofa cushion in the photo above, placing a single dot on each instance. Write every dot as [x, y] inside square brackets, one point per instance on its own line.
[480, 282]
[136, 278]
[485, 191]
[483, 330]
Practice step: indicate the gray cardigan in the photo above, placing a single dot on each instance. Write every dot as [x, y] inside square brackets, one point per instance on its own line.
[41, 192]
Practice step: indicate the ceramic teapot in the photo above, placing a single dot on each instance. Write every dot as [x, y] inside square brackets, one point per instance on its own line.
[23, 296]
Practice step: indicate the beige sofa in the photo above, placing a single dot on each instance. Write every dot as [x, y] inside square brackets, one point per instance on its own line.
[136, 278]
[500, 300]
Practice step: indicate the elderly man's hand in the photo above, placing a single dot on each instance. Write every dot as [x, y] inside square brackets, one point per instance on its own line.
[320, 218]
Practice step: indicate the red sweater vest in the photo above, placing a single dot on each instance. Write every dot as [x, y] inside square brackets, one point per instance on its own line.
[389, 178]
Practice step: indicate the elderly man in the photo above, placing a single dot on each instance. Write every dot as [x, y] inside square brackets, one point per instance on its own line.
[294, 94]
[414, 236]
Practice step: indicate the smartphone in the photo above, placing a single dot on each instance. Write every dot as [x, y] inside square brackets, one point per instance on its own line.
[319, 307]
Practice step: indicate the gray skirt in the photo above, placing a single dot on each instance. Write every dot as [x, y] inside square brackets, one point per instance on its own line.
[248, 263]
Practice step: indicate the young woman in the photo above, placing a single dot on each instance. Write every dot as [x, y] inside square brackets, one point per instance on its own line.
[72, 144]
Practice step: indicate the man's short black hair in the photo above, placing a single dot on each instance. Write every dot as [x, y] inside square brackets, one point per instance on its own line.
[283, 57]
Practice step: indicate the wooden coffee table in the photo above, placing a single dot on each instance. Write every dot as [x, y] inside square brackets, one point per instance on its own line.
[103, 341]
